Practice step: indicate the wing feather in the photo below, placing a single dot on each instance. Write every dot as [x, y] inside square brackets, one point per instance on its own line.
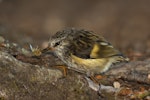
[86, 45]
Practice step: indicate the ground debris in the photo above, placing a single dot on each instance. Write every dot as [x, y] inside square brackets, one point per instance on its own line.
[22, 72]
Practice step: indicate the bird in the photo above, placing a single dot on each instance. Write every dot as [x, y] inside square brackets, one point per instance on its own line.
[84, 51]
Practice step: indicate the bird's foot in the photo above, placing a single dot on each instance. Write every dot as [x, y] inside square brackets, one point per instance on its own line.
[63, 68]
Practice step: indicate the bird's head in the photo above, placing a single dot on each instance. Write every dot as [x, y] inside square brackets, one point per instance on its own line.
[59, 43]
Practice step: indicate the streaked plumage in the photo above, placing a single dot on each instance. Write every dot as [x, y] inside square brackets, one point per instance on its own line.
[85, 51]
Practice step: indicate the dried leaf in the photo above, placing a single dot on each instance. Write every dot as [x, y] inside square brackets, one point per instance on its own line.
[125, 92]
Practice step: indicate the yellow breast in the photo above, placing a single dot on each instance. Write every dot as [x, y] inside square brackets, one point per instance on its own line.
[98, 65]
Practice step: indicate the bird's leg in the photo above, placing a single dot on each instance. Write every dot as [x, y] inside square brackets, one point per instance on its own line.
[94, 79]
[64, 68]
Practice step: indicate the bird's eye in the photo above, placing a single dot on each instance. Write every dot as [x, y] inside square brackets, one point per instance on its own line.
[56, 44]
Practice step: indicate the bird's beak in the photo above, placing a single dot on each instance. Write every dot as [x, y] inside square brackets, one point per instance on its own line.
[48, 49]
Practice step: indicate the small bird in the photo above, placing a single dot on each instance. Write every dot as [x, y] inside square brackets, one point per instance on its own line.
[84, 51]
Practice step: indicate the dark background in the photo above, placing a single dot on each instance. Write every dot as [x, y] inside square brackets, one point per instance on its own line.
[125, 23]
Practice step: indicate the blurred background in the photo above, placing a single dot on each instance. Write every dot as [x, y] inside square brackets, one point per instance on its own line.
[125, 23]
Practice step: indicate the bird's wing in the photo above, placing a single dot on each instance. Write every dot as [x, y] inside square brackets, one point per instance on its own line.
[82, 44]
[104, 49]
[88, 45]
